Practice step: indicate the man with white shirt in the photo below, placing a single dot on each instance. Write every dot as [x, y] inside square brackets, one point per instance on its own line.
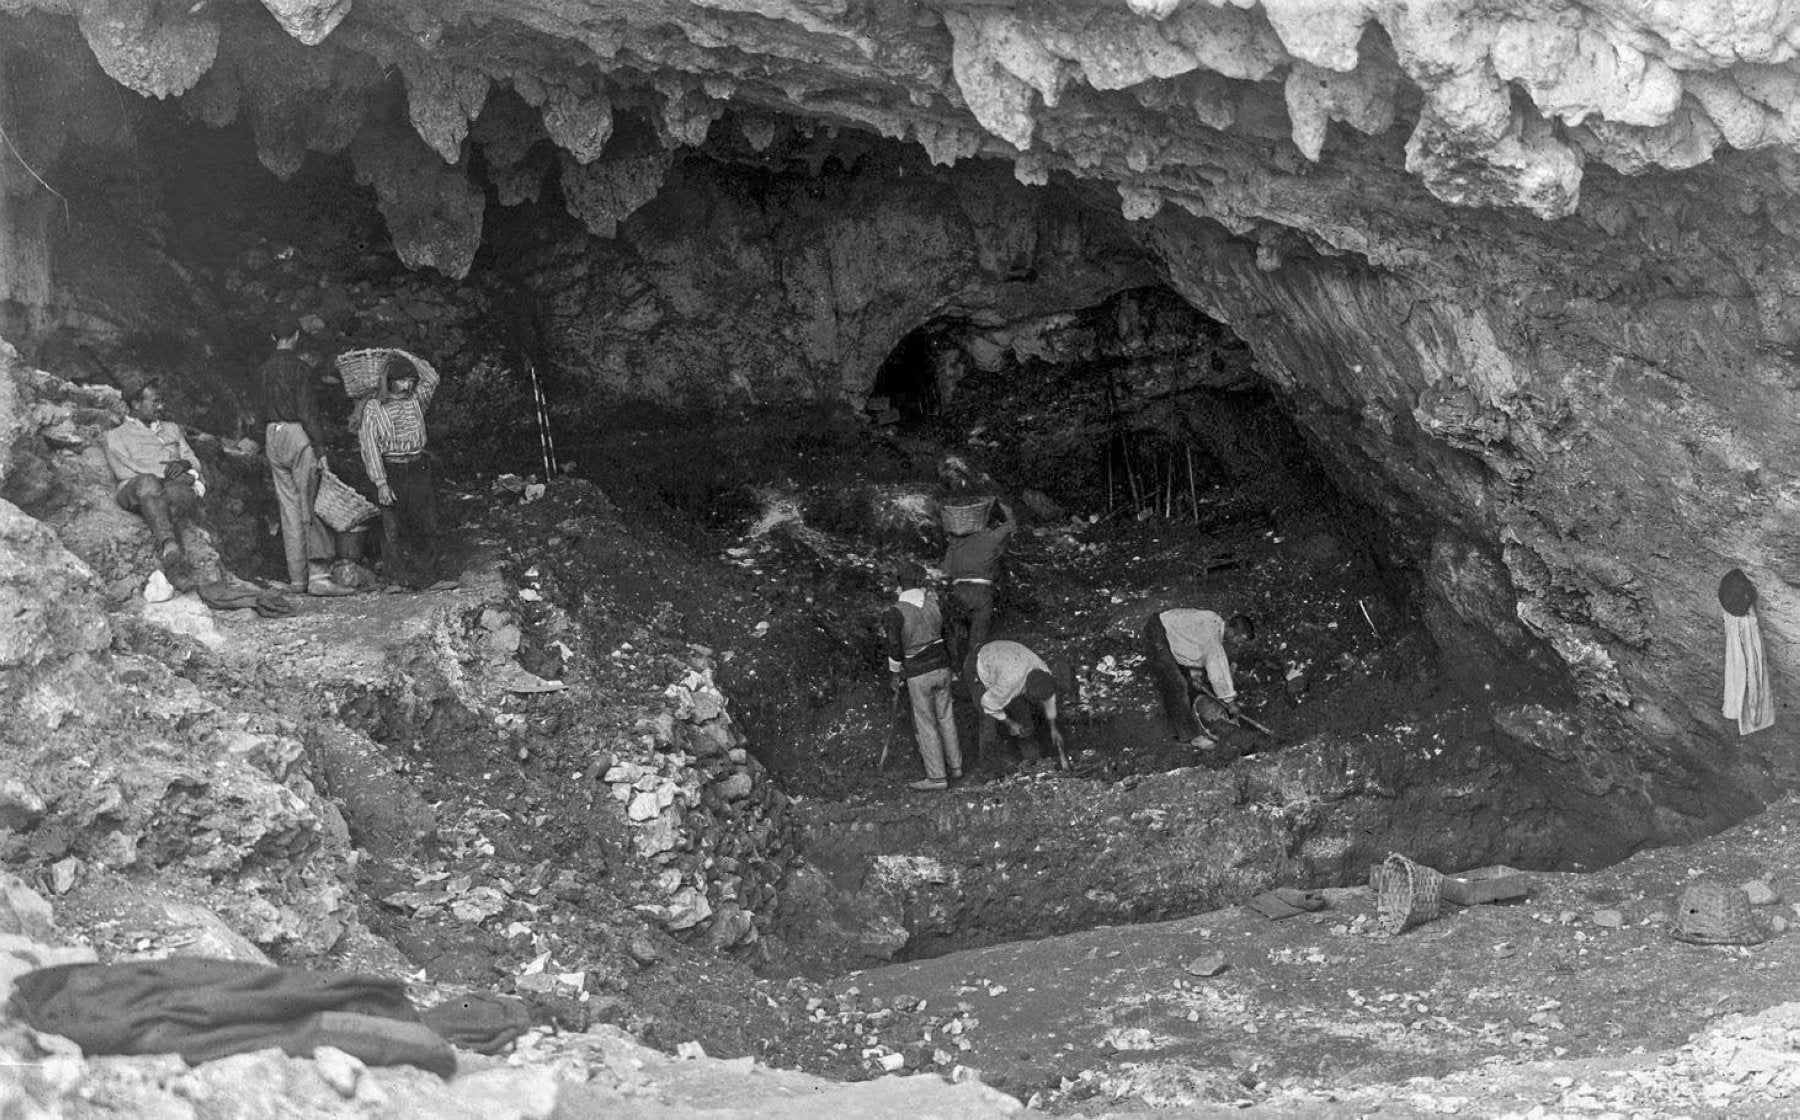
[1180, 645]
[1015, 682]
[158, 475]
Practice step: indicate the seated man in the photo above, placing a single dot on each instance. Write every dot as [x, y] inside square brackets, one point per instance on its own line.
[1180, 644]
[158, 475]
[1014, 681]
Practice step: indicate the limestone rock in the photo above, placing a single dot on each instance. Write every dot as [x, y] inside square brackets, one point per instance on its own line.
[49, 598]
[309, 21]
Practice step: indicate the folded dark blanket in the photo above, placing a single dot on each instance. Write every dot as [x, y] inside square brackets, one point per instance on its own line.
[479, 1021]
[204, 1009]
[1285, 902]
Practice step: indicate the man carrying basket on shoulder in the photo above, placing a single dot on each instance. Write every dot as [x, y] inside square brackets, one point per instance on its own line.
[391, 433]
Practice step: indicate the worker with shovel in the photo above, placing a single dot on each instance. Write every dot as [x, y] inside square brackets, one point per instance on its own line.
[1182, 644]
[919, 665]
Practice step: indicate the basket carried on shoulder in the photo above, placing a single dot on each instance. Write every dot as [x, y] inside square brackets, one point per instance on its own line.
[339, 506]
[360, 370]
[965, 516]
[1407, 894]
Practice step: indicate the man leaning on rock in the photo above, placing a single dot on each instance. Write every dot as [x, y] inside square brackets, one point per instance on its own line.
[157, 472]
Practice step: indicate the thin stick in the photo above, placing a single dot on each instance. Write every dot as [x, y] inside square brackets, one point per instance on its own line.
[1368, 619]
[1109, 478]
[1193, 495]
[545, 442]
[1137, 503]
[32, 171]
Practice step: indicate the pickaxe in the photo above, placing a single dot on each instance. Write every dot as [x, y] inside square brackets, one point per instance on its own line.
[893, 727]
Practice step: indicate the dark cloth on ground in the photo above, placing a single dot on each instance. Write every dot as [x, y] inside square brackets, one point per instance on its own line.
[204, 1009]
[1286, 902]
[409, 525]
[232, 594]
[479, 1021]
[1173, 685]
[164, 504]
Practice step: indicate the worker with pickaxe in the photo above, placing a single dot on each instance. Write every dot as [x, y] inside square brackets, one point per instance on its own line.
[1183, 644]
[919, 666]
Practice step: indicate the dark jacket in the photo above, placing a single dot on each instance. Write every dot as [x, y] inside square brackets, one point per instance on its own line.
[915, 636]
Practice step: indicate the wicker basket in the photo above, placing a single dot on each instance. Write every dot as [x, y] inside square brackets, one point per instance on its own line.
[1407, 894]
[965, 516]
[360, 370]
[339, 506]
[1713, 913]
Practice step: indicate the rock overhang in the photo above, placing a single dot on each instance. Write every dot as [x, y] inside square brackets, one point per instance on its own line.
[1210, 105]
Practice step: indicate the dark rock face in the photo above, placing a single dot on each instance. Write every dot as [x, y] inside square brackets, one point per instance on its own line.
[1528, 287]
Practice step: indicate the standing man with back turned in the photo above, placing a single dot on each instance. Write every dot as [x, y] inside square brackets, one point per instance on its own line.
[972, 563]
[294, 444]
[920, 665]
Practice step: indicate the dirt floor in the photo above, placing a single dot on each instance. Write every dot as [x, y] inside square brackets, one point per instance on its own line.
[1573, 1000]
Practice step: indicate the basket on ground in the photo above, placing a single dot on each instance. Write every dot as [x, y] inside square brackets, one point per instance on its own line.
[1714, 913]
[360, 370]
[339, 506]
[965, 515]
[1407, 894]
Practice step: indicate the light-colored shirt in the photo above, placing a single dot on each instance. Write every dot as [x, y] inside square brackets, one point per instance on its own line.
[1197, 639]
[1002, 668]
[135, 448]
[396, 427]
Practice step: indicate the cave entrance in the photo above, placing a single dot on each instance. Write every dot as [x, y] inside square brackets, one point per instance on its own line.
[918, 376]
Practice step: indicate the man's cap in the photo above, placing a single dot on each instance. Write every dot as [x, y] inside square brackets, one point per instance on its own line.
[1040, 686]
[1736, 593]
[283, 325]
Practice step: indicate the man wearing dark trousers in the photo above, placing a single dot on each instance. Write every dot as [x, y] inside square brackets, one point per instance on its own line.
[973, 564]
[157, 472]
[1014, 683]
[920, 665]
[391, 434]
[1181, 644]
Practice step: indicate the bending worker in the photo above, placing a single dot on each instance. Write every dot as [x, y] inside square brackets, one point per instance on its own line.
[1015, 681]
[1180, 644]
[972, 564]
[920, 664]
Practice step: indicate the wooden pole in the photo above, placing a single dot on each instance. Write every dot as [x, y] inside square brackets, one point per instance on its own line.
[1137, 502]
[1193, 494]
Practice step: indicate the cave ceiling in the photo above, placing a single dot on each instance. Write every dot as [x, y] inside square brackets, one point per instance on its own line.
[1354, 125]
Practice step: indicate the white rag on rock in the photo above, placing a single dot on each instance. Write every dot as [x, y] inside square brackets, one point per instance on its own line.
[1748, 698]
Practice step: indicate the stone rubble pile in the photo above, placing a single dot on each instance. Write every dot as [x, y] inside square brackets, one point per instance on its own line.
[705, 813]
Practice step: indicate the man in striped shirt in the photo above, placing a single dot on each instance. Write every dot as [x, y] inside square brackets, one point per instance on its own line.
[392, 438]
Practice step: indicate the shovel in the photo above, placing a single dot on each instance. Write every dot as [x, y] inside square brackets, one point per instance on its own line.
[1237, 720]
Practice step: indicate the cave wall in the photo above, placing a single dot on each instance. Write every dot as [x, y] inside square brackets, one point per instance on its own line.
[758, 284]
[1581, 441]
[1527, 276]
